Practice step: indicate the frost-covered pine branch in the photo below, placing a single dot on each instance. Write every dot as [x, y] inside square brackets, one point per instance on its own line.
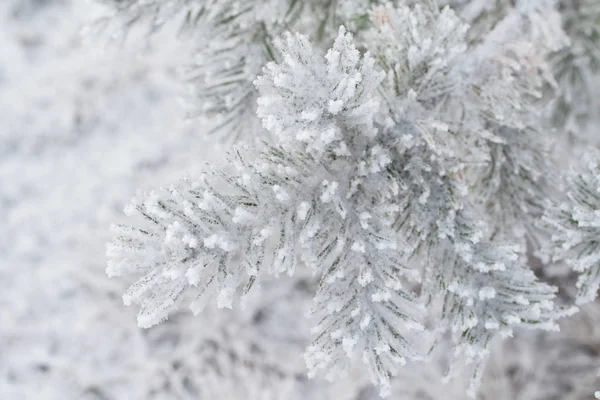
[575, 223]
[380, 218]
[520, 172]
[235, 41]
[574, 65]
[577, 70]
[488, 91]
[325, 199]
[368, 186]
[152, 14]
[469, 273]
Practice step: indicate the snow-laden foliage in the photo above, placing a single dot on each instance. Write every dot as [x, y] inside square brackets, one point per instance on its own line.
[83, 126]
[368, 186]
[575, 223]
[482, 15]
[574, 65]
[151, 14]
[488, 92]
[326, 200]
[519, 174]
[425, 68]
[577, 68]
[234, 42]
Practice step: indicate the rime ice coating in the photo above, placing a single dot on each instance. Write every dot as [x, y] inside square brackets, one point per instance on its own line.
[370, 185]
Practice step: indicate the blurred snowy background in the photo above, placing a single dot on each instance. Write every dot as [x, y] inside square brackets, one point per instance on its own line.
[84, 122]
